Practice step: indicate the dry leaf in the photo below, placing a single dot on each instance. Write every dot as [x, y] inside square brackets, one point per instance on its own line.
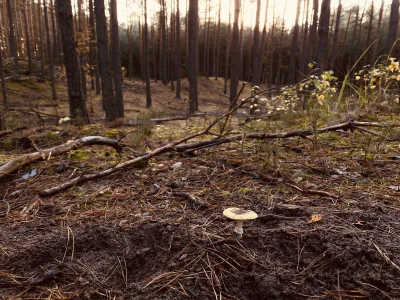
[360, 223]
[315, 218]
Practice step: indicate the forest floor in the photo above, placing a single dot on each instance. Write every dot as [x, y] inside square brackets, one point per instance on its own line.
[328, 206]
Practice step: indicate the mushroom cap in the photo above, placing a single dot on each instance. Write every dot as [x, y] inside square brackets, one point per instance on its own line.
[235, 213]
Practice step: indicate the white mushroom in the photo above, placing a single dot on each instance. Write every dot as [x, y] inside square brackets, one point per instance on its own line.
[239, 215]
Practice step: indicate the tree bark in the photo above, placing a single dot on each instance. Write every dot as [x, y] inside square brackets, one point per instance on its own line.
[227, 54]
[13, 43]
[323, 32]
[3, 86]
[293, 50]
[377, 35]
[235, 54]
[54, 31]
[108, 97]
[116, 58]
[255, 51]
[49, 53]
[313, 34]
[146, 57]
[41, 39]
[278, 79]
[76, 96]
[335, 37]
[393, 28]
[27, 37]
[93, 55]
[178, 52]
[192, 58]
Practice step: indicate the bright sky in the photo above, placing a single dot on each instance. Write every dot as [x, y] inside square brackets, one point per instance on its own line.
[249, 8]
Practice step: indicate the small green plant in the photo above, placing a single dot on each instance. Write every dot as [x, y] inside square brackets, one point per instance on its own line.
[375, 84]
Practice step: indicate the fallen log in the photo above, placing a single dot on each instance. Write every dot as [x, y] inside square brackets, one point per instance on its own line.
[26, 159]
[179, 146]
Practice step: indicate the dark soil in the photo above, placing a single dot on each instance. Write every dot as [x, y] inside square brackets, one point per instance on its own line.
[134, 235]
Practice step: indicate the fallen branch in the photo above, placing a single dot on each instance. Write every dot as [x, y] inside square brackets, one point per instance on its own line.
[21, 161]
[181, 147]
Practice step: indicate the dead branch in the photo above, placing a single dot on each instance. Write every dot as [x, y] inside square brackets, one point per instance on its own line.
[181, 147]
[21, 161]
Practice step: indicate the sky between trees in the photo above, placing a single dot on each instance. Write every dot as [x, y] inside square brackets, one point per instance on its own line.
[128, 9]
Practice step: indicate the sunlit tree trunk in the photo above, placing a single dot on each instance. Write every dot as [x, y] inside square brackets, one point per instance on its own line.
[192, 58]
[76, 96]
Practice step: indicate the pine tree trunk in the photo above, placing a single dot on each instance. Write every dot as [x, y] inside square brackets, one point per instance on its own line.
[278, 79]
[192, 59]
[108, 98]
[13, 43]
[163, 45]
[323, 32]
[293, 50]
[313, 34]
[218, 43]
[54, 32]
[255, 51]
[41, 46]
[261, 66]
[303, 63]
[335, 37]
[393, 28]
[116, 59]
[351, 55]
[227, 56]
[49, 53]
[146, 57]
[27, 37]
[3, 85]
[235, 54]
[178, 52]
[377, 35]
[76, 97]
[93, 55]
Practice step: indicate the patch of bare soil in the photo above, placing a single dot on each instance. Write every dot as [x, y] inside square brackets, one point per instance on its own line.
[328, 225]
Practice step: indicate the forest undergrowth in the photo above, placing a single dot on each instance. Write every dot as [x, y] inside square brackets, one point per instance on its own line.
[327, 202]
